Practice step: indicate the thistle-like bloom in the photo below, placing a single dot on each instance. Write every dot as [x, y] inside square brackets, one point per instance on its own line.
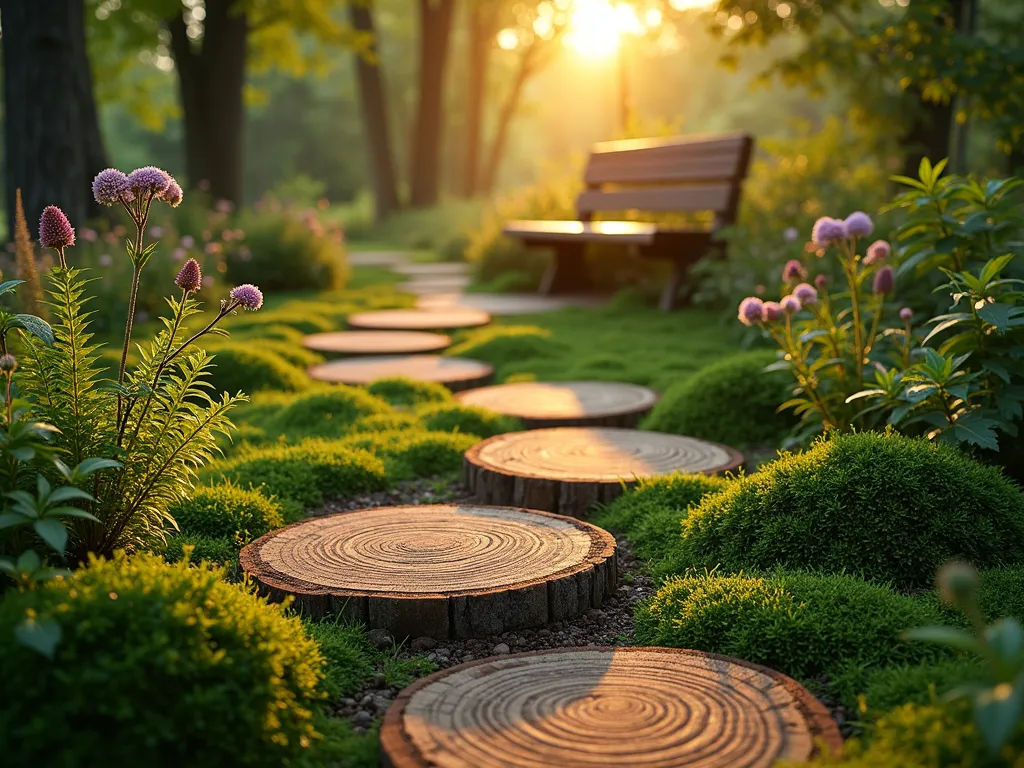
[8, 364]
[148, 180]
[111, 186]
[859, 224]
[956, 581]
[248, 296]
[806, 294]
[906, 314]
[172, 195]
[771, 311]
[190, 277]
[877, 252]
[751, 310]
[885, 281]
[790, 234]
[793, 272]
[821, 282]
[790, 304]
[55, 231]
[827, 231]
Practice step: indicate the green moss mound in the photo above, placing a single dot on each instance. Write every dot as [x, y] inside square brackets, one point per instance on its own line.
[884, 506]
[505, 346]
[452, 417]
[732, 401]
[211, 549]
[1002, 593]
[224, 511]
[395, 421]
[415, 454]
[889, 687]
[328, 412]
[308, 473]
[803, 625]
[401, 391]
[247, 368]
[269, 332]
[183, 667]
[252, 324]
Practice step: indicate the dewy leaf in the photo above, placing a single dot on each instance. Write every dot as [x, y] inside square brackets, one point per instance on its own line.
[36, 326]
[53, 532]
[9, 285]
[41, 635]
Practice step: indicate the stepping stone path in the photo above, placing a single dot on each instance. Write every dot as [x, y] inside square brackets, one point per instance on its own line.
[566, 404]
[377, 259]
[376, 342]
[438, 570]
[418, 320]
[576, 708]
[434, 285]
[433, 269]
[569, 469]
[504, 303]
[456, 373]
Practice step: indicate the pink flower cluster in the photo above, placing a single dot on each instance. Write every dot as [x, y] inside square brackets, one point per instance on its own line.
[753, 311]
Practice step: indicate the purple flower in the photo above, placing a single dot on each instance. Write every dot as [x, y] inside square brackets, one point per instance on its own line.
[248, 296]
[111, 186]
[821, 282]
[827, 231]
[148, 180]
[793, 272]
[55, 231]
[877, 251]
[190, 277]
[885, 281]
[906, 314]
[791, 234]
[790, 304]
[751, 309]
[771, 311]
[172, 195]
[859, 224]
[805, 294]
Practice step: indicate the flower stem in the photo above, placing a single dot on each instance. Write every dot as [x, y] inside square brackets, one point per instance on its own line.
[226, 310]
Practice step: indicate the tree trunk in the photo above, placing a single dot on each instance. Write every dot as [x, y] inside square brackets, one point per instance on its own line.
[505, 115]
[435, 36]
[52, 141]
[483, 22]
[376, 125]
[211, 80]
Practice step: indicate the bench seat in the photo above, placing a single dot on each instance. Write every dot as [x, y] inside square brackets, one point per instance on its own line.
[615, 232]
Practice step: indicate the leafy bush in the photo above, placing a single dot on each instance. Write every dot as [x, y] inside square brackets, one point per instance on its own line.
[386, 422]
[250, 368]
[224, 511]
[415, 454]
[1002, 593]
[888, 507]
[469, 420]
[212, 549]
[399, 390]
[505, 345]
[308, 473]
[185, 669]
[303, 322]
[732, 401]
[922, 683]
[328, 412]
[293, 354]
[801, 624]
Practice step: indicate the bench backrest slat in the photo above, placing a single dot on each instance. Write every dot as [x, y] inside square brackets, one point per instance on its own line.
[682, 174]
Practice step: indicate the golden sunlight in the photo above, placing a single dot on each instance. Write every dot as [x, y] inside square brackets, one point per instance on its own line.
[598, 25]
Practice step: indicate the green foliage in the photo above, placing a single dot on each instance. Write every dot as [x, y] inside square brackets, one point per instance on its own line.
[249, 367]
[884, 506]
[400, 391]
[922, 684]
[1001, 593]
[308, 473]
[327, 412]
[415, 454]
[303, 322]
[732, 401]
[210, 549]
[192, 671]
[505, 346]
[451, 417]
[801, 624]
[224, 511]
[294, 354]
[386, 422]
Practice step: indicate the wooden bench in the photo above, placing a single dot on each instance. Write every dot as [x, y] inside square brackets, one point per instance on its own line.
[683, 175]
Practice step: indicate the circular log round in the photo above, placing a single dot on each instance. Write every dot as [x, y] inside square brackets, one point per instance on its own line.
[376, 342]
[418, 320]
[437, 269]
[569, 469]
[566, 404]
[504, 303]
[581, 707]
[438, 570]
[454, 372]
[432, 286]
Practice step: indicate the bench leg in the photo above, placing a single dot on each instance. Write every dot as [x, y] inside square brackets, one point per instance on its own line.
[670, 295]
[568, 271]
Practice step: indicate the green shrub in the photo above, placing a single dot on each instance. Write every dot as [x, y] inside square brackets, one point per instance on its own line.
[386, 422]
[212, 549]
[269, 332]
[349, 656]
[803, 625]
[887, 507]
[224, 511]
[247, 368]
[283, 252]
[415, 454]
[923, 683]
[1002, 593]
[398, 390]
[507, 345]
[452, 417]
[184, 668]
[731, 401]
[252, 325]
[328, 412]
[308, 473]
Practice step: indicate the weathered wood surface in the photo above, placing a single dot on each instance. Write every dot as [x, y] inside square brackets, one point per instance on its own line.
[566, 404]
[431, 286]
[570, 469]
[438, 570]
[499, 304]
[376, 342]
[456, 373]
[438, 269]
[418, 319]
[585, 707]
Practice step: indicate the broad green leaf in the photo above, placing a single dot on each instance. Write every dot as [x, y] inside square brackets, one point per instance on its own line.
[41, 635]
[28, 561]
[36, 326]
[997, 713]
[88, 466]
[11, 519]
[67, 493]
[53, 532]
[1006, 637]
[9, 285]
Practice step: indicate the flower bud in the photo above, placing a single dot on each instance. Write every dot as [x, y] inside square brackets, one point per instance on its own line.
[751, 310]
[55, 231]
[793, 272]
[827, 231]
[957, 582]
[821, 282]
[771, 311]
[859, 224]
[190, 277]
[790, 304]
[885, 281]
[8, 364]
[806, 294]
[906, 314]
[877, 252]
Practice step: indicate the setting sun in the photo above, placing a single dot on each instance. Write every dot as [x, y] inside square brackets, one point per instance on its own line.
[598, 25]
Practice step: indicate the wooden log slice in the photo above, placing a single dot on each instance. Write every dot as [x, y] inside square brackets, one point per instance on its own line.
[570, 469]
[566, 404]
[455, 373]
[438, 570]
[577, 708]
[432, 286]
[505, 303]
[376, 342]
[418, 320]
[439, 269]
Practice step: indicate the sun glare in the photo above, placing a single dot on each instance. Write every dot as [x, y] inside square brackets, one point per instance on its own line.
[595, 28]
